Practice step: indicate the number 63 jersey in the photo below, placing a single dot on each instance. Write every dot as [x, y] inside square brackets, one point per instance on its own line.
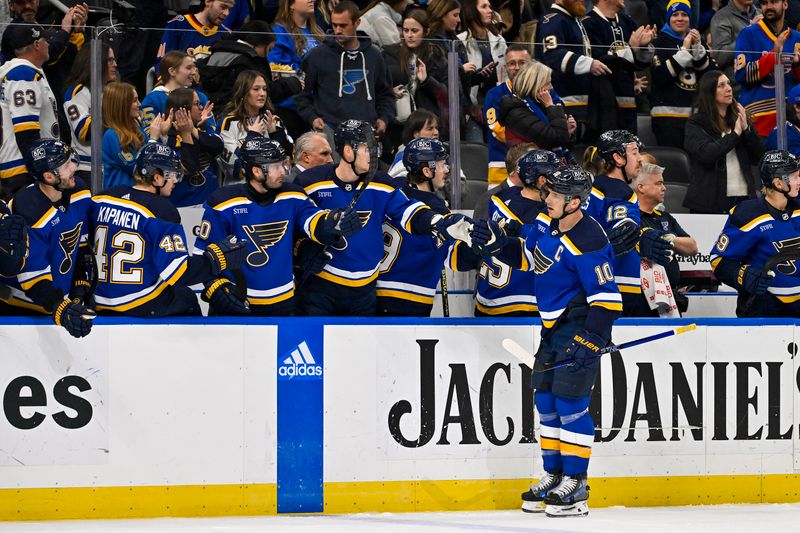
[27, 104]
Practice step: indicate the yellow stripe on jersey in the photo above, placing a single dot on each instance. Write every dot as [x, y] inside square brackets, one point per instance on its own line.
[50, 213]
[549, 444]
[755, 222]
[611, 306]
[291, 195]
[633, 199]
[26, 126]
[272, 300]
[333, 278]
[503, 309]
[503, 208]
[381, 187]
[239, 200]
[630, 289]
[11, 172]
[320, 185]
[125, 203]
[80, 195]
[312, 227]
[151, 295]
[84, 133]
[570, 245]
[419, 208]
[596, 192]
[549, 323]
[26, 285]
[542, 217]
[409, 296]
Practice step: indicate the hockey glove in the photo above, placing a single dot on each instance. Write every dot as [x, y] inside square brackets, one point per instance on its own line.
[13, 244]
[74, 317]
[311, 257]
[584, 350]
[511, 227]
[341, 222]
[452, 227]
[228, 254]
[223, 297]
[488, 238]
[754, 281]
[623, 236]
[655, 245]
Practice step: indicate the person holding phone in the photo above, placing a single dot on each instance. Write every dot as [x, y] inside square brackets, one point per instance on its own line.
[723, 147]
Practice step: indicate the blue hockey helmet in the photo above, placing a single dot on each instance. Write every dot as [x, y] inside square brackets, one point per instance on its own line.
[536, 163]
[424, 152]
[156, 157]
[47, 155]
[571, 181]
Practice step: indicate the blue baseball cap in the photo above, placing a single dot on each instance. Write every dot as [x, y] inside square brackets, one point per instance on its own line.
[794, 95]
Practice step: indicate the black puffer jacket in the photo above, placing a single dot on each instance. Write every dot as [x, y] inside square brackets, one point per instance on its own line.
[708, 176]
[523, 125]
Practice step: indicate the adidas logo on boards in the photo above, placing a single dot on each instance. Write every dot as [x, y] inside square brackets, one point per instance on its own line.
[299, 363]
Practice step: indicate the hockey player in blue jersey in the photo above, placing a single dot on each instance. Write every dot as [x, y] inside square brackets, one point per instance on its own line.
[578, 302]
[56, 277]
[757, 230]
[346, 285]
[144, 269]
[412, 264]
[13, 242]
[501, 290]
[613, 204]
[265, 212]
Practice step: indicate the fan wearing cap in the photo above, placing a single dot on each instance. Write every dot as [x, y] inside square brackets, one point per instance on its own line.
[266, 212]
[578, 301]
[28, 105]
[63, 41]
[792, 130]
[143, 267]
[346, 285]
[412, 266]
[756, 230]
[680, 61]
[57, 276]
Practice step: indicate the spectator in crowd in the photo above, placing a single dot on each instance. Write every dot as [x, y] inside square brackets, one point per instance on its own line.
[482, 57]
[722, 147]
[177, 70]
[194, 34]
[124, 135]
[517, 56]
[239, 15]
[792, 131]
[64, 43]
[591, 162]
[650, 190]
[346, 78]
[755, 65]
[624, 48]
[78, 103]
[247, 51]
[311, 150]
[562, 45]
[513, 155]
[250, 109]
[419, 72]
[421, 123]
[198, 145]
[531, 114]
[297, 33]
[675, 74]
[726, 26]
[444, 17]
[380, 20]
[28, 104]
[136, 45]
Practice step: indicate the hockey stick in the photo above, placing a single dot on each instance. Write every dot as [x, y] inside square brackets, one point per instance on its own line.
[527, 358]
[445, 301]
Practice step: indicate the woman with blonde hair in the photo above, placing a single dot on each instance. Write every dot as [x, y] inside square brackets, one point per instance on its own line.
[124, 135]
[533, 112]
[250, 110]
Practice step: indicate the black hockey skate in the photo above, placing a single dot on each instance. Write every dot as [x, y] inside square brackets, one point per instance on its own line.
[533, 500]
[569, 498]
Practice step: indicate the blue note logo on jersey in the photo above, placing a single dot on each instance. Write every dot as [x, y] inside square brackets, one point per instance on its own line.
[351, 78]
[299, 363]
[541, 263]
[68, 241]
[263, 236]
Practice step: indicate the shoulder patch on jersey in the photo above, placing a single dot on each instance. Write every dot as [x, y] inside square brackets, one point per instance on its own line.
[226, 123]
[586, 237]
[23, 73]
[749, 214]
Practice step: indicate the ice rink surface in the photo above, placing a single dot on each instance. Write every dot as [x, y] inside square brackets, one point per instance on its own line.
[698, 519]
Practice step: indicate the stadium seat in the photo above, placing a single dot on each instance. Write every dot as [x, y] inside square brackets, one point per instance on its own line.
[150, 79]
[673, 199]
[637, 9]
[475, 162]
[645, 133]
[471, 190]
[675, 162]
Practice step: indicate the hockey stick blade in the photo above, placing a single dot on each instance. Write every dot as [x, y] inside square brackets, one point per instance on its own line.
[512, 347]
